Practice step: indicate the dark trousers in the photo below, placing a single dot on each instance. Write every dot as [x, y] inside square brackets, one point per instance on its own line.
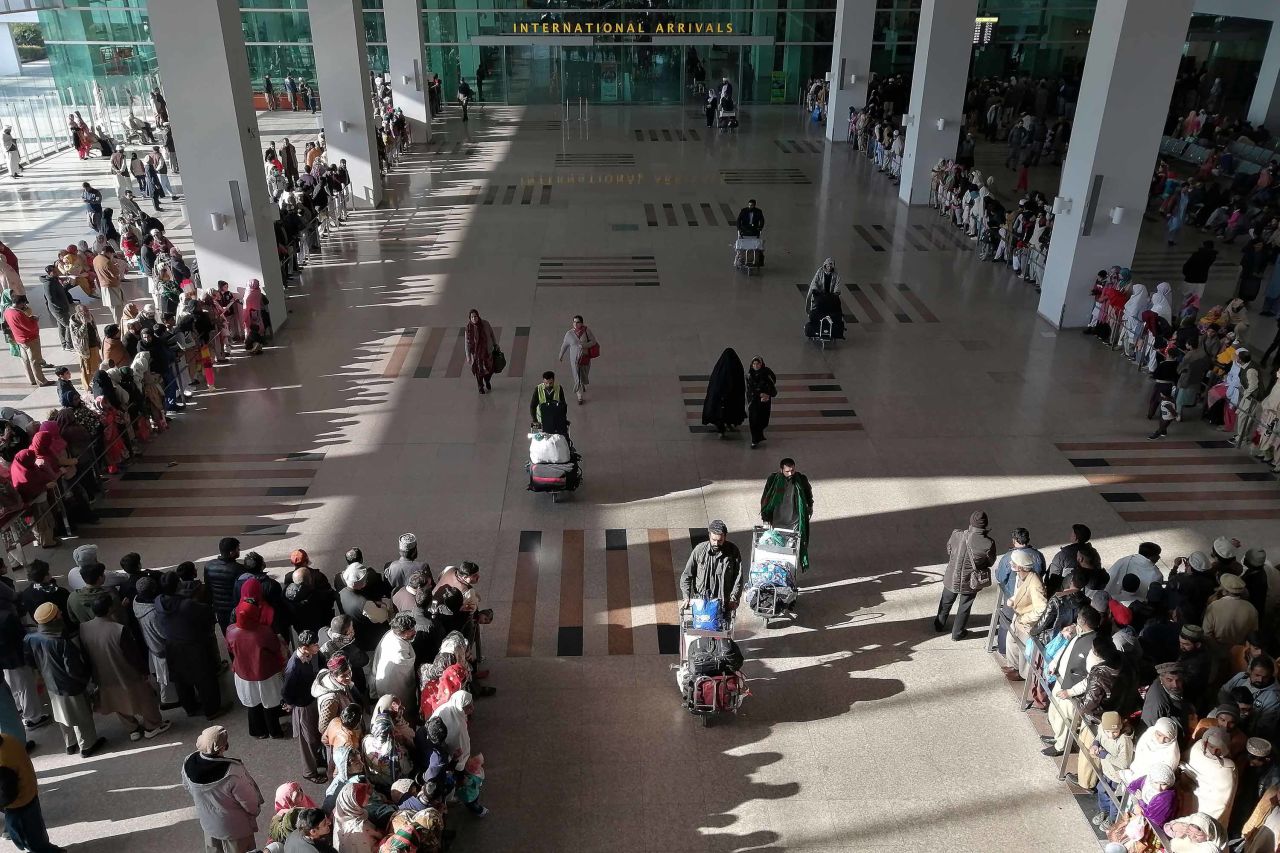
[1163, 429]
[26, 828]
[1275, 347]
[962, 613]
[264, 722]
[194, 671]
[758, 418]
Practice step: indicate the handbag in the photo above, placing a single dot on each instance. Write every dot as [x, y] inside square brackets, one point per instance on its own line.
[499, 360]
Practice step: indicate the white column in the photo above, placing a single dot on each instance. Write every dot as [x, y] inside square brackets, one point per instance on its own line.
[850, 59]
[1265, 107]
[1128, 79]
[943, 49]
[216, 133]
[406, 56]
[342, 70]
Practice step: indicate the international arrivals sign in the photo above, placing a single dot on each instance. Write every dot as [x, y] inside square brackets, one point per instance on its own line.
[639, 28]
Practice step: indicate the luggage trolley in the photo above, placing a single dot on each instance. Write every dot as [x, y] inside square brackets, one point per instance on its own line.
[771, 581]
[706, 696]
[748, 253]
[826, 335]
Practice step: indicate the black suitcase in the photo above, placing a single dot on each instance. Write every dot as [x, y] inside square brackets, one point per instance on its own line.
[714, 656]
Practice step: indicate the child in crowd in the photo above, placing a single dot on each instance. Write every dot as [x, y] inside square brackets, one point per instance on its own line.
[471, 783]
[1168, 414]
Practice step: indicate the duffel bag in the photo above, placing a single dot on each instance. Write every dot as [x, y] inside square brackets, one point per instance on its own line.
[714, 656]
[550, 473]
[547, 447]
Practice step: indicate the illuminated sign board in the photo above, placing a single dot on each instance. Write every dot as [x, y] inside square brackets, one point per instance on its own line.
[983, 29]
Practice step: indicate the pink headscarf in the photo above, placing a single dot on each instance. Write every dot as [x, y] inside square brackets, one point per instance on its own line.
[253, 298]
[290, 795]
[59, 443]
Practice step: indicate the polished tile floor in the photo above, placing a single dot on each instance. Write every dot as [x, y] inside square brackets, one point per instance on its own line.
[865, 730]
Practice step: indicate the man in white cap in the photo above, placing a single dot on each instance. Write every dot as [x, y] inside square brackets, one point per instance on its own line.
[1258, 772]
[397, 572]
[1023, 610]
[369, 616]
[1229, 620]
[1224, 556]
[11, 151]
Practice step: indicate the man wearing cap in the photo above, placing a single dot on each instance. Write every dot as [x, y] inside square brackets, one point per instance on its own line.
[66, 678]
[1227, 718]
[713, 570]
[1258, 773]
[1113, 750]
[226, 797]
[1019, 541]
[1023, 610]
[1229, 620]
[1191, 585]
[1196, 664]
[309, 596]
[368, 615]
[220, 580]
[1141, 564]
[1165, 697]
[1260, 680]
[80, 604]
[393, 662]
[970, 556]
[1224, 556]
[397, 571]
[1262, 581]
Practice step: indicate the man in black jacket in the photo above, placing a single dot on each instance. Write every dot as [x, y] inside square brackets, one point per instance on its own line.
[1066, 560]
[220, 577]
[190, 648]
[750, 220]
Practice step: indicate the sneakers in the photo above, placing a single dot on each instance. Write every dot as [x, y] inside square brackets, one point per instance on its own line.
[484, 812]
[158, 730]
[135, 735]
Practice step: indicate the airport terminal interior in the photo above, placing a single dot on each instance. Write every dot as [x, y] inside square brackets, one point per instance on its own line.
[862, 315]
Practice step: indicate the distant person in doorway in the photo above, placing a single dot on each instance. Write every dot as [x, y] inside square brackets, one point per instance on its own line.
[269, 89]
[12, 153]
[710, 108]
[464, 96]
[762, 387]
[579, 343]
[480, 75]
[970, 555]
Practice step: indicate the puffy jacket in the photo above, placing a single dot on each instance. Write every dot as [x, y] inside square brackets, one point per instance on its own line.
[227, 800]
[60, 662]
[220, 579]
[149, 621]
[331, 697]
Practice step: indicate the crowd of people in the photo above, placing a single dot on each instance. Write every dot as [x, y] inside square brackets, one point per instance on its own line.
[374, 674]
[1163, 678]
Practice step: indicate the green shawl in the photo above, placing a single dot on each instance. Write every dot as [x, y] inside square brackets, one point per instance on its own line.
[771, 499]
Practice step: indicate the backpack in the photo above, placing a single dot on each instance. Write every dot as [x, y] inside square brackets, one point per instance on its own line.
[714, 656]
[554, 416]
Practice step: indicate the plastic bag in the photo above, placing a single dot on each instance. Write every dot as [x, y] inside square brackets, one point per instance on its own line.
[706, 613]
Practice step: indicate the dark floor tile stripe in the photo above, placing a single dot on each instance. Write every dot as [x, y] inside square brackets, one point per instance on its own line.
[429, 352]
[924, 232]
[864, 303]
[669, 211]
[545, 197]
[519, 352]
[917, 303]
[524, 596]
[1208, 495]
[527, 198]
[1126, 445]
[868, 238]
[1089, 462]
[688, 214]
[1180, 477]
[911, 238]
[662, 577]
[890, 302]
[399, 353]
[621, 637]
[457, 356]
[709, 214]
[729, 216]
[1123, 497]
[509, 195]
[1232, 514]
[572, 564]
[697, 535]
[491, 194]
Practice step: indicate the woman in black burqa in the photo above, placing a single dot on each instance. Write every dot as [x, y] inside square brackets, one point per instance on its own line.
[726, 401]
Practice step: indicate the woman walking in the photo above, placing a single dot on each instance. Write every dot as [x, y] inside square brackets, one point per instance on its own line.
[582, 346]
[256, 661]
[762, 387]
[87, 343]
[479, 341]
[725, 403]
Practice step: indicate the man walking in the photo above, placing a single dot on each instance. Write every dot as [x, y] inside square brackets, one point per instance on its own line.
[787, 502]
[970, 555]
[226, 797]
[24, 326]
[714, 570]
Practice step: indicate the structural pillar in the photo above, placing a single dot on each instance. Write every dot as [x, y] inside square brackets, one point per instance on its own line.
[943, 49]
[1129, 72]
[850, 63]
[406, 56]
[215, 129]
[342, 70]
[1264, 109]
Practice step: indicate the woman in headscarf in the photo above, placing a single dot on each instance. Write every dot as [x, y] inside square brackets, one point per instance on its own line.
[430, 825]
[124, 380]
[454, 713]
[725, 402]
[1162, 302]
[479, 342]
[257, 662]
[762, 387]
[86, 342]
[291, 796]
[385, 757]
[400, 728]
[1197, 833]
[823, 300]
[152, 390]
[440, 680]
[230, 303]
[254, 325]
[31, 479]
[113, 404]
[1116, 294]
[1208, 784]
[1235, 317]
[578, 343]
[1153, 801]
[352, 830]
[1158, 747]
[1269, 424]
[1134, 327]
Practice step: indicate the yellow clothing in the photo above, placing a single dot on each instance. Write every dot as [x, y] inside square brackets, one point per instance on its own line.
[13, 754]
[1028, 600]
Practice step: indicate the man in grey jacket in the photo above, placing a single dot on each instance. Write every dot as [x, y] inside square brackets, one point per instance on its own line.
[714, 569]
[970, 556]
[227, 799]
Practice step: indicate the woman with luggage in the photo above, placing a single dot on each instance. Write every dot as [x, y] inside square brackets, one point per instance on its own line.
[479, 341]
[582, 346]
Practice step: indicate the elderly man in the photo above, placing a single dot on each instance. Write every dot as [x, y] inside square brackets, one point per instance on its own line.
[393, 661]
[1209, 781]
[119, 666]
[970, 556]
[66, 676]
[1023, 610]
[369, 615]
[227, 799]
[299, 674]
[1260, 680]
[397, 572]
[1229, 620]
[1070, 669]
[1142, 565]
[1165, 697]
[1259, 773]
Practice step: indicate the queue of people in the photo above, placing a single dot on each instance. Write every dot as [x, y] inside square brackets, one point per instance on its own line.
[375, 674]
[1167, 674]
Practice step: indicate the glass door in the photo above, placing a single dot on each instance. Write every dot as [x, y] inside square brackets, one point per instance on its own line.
[532, 74]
